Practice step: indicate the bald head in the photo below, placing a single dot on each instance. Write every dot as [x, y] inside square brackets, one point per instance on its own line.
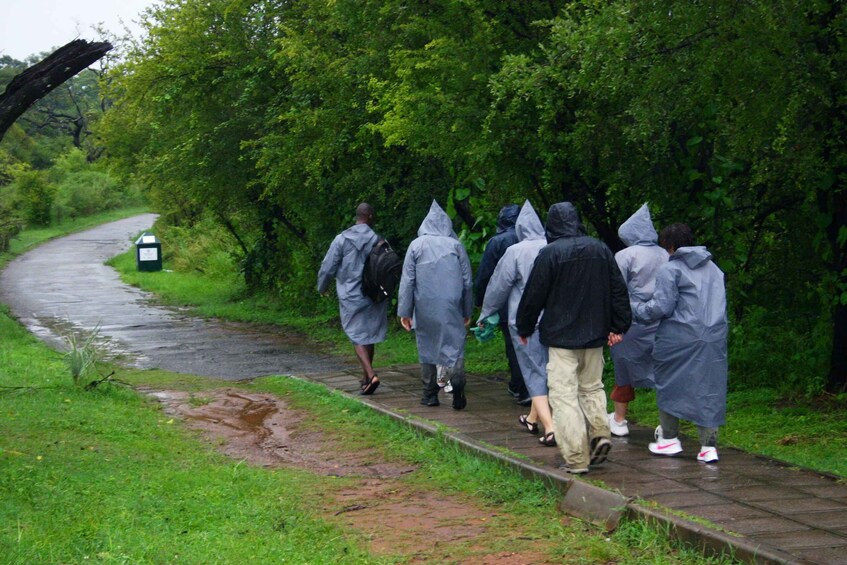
[364, 214]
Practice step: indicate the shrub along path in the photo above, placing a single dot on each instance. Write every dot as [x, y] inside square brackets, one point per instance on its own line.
[760, 509]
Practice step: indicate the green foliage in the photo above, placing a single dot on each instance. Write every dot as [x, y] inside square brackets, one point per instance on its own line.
[83, 354]
[36, 196]
[275, 120]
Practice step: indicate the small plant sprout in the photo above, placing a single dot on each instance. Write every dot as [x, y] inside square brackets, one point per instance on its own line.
[82, 354]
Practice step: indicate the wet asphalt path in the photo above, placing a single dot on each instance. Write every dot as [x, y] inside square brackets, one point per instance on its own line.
[64, 285]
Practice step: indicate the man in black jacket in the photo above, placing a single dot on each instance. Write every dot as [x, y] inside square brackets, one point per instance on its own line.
[578, 286]
[494, 250]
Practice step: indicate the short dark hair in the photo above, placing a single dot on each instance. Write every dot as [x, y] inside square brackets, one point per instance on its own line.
[364, 212]
[675, 236]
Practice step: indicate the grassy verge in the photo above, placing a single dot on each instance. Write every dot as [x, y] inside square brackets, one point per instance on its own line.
[225, 297]
[757, 421]
[105, 476]
[30, 237]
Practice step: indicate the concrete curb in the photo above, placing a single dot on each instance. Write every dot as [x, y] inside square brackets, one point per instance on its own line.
[595, 504]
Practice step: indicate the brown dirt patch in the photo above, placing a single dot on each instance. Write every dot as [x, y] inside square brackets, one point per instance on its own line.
[391, 516]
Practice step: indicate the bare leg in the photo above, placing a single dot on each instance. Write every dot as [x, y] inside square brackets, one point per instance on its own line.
[365, 354]
[541, 410]
[620, 411]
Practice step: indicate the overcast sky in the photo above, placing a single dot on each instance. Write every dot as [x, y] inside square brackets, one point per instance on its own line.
[28, 27]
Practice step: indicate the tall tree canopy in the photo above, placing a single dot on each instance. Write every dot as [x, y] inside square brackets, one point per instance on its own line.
[276, 118]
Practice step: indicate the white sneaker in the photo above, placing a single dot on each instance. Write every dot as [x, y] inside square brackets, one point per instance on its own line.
[664, 446]
[619, 429]
[441, 376]
[707, 454]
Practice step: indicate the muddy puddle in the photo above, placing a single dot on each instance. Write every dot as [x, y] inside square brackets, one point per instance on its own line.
[394, 517]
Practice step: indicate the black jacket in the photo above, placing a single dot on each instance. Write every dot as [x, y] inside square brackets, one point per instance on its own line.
[494, 250]
[577, 284]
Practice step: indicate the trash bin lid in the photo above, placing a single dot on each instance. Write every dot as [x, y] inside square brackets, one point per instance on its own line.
[146, 238]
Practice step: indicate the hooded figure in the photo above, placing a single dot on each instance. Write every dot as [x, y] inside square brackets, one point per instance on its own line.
[494, 250]
[363, 321]
[505, 289]
[690, 353]
[435, 297]
[633, 357]
[577, 284]
[505, 237]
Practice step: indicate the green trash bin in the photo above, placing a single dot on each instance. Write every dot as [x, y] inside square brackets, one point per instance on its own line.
[148, 253]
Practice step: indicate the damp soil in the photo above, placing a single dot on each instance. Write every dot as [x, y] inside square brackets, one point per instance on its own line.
[391, 516]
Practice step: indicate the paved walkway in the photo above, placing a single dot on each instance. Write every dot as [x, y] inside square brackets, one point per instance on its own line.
[761, 510]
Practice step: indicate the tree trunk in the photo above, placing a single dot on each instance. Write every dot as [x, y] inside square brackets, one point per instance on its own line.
[35, 82]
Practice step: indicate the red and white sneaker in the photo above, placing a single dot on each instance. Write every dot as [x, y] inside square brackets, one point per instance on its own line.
[707, 454]
[664, 446]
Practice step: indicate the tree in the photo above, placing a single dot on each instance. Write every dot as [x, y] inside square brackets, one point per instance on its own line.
[35, 82]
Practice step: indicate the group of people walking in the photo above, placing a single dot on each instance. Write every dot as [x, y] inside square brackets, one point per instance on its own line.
[559, 296]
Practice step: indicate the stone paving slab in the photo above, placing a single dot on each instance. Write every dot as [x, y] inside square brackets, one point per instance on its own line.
[763, 511]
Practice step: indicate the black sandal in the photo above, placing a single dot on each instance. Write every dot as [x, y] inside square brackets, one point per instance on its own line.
[531, 427]
[371, 386]
[549, 439]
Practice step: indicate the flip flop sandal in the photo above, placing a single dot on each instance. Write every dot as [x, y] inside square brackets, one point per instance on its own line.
[531, 427]
[549, 439]
[371, 386]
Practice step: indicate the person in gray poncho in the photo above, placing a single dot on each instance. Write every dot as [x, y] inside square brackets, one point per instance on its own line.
[494, 250]
[633, 357]
[436, 299]
[364, 321]
[505, 288]
[690, 353]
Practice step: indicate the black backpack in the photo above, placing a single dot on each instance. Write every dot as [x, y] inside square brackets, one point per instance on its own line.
[381, 274]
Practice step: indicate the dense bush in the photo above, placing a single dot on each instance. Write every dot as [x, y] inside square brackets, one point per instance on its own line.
[35, 196]
[276, 119]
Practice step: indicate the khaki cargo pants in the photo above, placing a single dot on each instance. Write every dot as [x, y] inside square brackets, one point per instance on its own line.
[578, 401]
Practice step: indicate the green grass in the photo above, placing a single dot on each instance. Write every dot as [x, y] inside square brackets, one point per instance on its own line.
[757, 421]
[30, 237]
[225, 297]
[106, 476]
[806, 433]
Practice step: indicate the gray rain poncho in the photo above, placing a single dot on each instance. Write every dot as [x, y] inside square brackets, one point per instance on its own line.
[639, 263]
[690, 353]
[363, 321]
[436, 290]
[506, 287]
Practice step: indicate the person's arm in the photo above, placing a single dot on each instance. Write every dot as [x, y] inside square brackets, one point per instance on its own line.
[664, 299]
[621, 309]
[499, 285]
[329, 265]
[534, 296]
[406, 290]
[483, 273]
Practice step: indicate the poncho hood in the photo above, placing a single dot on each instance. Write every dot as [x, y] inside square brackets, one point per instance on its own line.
[638, 229]
[359, 235]
[437, 222]
[563, 221]
[528, 224]
[507, 217]
[694, 257]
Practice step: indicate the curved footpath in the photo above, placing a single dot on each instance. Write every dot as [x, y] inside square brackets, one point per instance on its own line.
[758, 509]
